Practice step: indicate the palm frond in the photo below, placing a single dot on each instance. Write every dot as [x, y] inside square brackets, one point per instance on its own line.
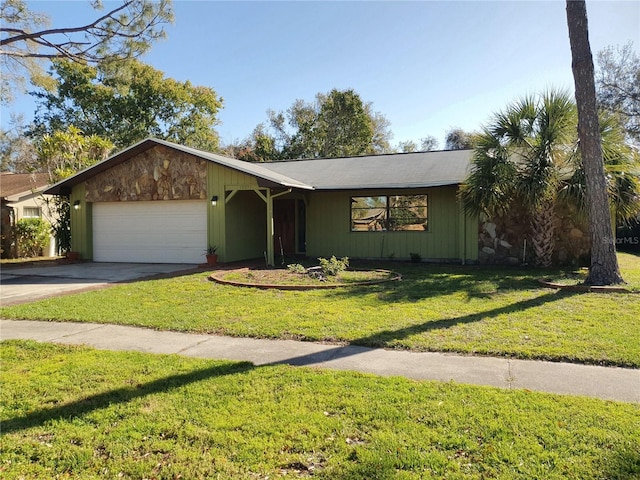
[488, 188]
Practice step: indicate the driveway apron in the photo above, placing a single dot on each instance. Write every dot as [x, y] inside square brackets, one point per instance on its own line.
[26, 284]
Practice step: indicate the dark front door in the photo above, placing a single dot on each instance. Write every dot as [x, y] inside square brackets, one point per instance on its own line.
[284, 223]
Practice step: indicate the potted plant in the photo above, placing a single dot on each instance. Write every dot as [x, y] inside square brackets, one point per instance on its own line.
[73, 256]
[212, 256]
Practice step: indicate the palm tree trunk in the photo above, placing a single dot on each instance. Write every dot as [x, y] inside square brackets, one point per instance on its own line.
[543, 234]
[604, 268]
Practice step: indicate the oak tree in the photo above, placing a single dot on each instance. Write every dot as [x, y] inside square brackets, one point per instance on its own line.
[336, 124]
[126, 102]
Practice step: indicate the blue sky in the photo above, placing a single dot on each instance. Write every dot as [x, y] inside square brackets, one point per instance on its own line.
[427, 66]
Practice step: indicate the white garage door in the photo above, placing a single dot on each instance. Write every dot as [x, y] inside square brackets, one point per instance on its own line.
[150, 232]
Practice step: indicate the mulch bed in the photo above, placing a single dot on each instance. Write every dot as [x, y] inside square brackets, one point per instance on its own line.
[280, 279]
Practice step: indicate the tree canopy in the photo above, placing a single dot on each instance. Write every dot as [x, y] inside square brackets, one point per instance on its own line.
[126, 102]
[427, 144]
[337, 124]
[126, 30]
[618, 86]
[17, 152]
[62, 154]
[458, 139]
[65, 153]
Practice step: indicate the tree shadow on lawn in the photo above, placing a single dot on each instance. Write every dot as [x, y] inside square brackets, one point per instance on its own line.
[623, 465]
[384, 338]
[88, 404]
[356, 347]
[425, 281]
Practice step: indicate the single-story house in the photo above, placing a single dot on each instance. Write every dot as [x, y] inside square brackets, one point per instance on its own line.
[162, 202]
[21, 197]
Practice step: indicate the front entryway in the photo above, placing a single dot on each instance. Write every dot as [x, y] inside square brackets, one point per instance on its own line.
[289, 223]
[284, 222]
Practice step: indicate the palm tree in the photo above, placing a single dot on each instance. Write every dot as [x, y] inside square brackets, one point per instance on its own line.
[520, 159]
[527, 158]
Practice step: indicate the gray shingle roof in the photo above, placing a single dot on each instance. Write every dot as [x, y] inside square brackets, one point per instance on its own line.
[401, 170]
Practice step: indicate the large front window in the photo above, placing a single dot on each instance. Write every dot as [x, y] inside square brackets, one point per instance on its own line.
[389, 213]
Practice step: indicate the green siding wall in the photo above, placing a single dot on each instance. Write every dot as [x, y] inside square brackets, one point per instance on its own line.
[81, 224]
[223, 215]
[329, 229]
[469, 237]
[246, 227]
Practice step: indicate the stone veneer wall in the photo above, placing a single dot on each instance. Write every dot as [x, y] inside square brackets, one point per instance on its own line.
[501, 240]
[156, 174]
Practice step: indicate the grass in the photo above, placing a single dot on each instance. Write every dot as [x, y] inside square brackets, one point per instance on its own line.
[628, 265]
[75, 412]
[32, 261]
[477, 310]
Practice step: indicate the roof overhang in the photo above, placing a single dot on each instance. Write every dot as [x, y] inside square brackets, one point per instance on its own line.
[392, 186]
[263, 175]
[377, 172]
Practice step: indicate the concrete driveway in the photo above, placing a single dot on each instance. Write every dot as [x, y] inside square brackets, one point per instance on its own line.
[25, 284]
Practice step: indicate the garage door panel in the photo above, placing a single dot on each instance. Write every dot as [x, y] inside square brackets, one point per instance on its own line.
[157, 232]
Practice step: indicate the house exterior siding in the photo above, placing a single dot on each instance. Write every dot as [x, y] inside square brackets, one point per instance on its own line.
[251, 200]
[450, 235]
[81, 223]
[237, 233]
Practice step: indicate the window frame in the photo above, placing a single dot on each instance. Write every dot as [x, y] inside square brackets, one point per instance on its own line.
[33, 209]
[390, 205]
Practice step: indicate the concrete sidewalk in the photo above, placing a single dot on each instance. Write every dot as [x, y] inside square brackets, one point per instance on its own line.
[620, 384]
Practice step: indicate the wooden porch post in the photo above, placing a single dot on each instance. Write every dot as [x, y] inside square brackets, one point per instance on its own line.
[270, 229]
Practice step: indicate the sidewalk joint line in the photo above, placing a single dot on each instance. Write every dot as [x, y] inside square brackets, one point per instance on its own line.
[192, 345]
[510, 377]
[96, 327]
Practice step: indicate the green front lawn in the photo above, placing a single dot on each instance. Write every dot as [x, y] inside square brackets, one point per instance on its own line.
[481, 310]
[75, 412]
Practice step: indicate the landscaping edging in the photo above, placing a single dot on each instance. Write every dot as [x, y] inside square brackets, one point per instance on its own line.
[583, 288]
[217, 277]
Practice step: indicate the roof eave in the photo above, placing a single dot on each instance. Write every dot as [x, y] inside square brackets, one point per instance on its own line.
[390, 186]
[64, 186]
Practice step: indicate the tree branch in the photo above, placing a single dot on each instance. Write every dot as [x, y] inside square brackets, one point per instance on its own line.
[55, 31]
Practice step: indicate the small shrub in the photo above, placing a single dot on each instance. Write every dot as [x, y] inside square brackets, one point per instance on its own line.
[32, 235]
[296, 268]
[333, 266]
[415, 257]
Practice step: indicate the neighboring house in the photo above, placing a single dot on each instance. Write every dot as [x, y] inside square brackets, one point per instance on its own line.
[21, 197]
[161, 202]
